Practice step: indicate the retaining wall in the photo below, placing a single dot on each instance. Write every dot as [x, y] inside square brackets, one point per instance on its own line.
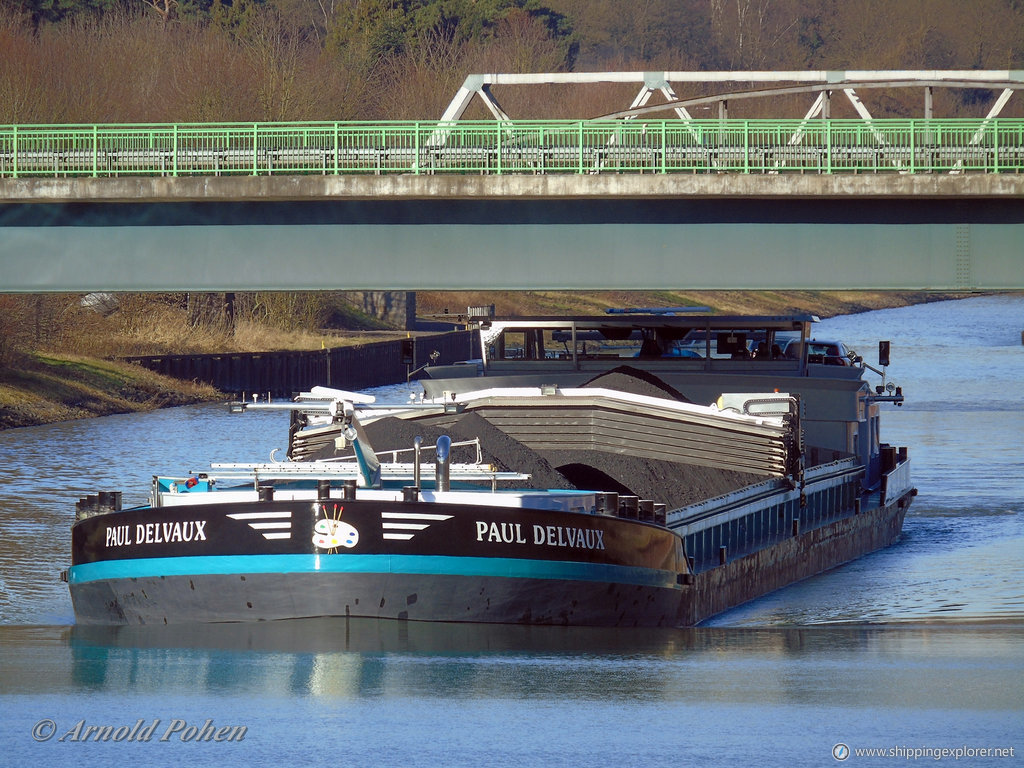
[282, 374]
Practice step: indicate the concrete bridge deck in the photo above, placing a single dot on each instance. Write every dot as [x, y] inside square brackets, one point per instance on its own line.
[150, 189]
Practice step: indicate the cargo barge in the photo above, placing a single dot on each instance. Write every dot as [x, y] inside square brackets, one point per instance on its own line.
[635, 470]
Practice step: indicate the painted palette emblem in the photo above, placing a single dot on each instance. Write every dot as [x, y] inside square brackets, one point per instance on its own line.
[331, 534]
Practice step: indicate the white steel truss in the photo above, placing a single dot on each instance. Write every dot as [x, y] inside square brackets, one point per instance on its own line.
[757, 84]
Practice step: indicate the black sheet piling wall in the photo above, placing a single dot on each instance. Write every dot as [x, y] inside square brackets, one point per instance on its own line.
[282, 374]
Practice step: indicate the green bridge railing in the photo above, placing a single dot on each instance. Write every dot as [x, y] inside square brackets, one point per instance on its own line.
[515, 147]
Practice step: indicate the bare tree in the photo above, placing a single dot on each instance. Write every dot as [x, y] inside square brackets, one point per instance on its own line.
[167, 9]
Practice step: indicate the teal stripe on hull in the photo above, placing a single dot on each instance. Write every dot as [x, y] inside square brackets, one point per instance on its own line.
[423, 564]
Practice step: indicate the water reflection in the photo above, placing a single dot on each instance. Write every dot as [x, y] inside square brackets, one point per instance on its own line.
[387, 636]
[408, 694]
[368, 658]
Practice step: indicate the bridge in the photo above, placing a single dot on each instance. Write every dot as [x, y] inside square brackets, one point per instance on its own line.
[625, 200]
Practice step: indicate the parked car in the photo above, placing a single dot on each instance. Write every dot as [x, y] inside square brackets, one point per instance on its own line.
[820, 351]
[828, 353]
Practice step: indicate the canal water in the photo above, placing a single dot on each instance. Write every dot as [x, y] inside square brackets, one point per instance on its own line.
[910, 651]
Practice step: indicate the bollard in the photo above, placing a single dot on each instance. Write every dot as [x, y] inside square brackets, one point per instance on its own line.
[85, 508]
[323, 489]
[723, 555]
[796, 526]
[646, 510]
[108, 501]
[629, 507]
[348, 490]
[265, 492]
[442, 465]
[661, 514]
[606, 503]
[410, 493]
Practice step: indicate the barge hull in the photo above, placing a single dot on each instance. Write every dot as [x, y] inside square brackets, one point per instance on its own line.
[413, 597]
[230, 597]
[794, 559]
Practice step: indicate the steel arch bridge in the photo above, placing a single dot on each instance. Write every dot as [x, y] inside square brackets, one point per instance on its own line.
[618, 201]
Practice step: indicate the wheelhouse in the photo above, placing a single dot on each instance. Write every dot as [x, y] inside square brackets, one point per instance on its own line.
[651, 341]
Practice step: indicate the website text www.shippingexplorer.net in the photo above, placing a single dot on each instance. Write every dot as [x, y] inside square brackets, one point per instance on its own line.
[843, 752]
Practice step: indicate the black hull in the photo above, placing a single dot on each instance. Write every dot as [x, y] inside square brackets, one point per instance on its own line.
[413, 597]
[482, 564]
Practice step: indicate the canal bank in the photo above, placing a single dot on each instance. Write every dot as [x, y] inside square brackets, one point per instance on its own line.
[47, 388]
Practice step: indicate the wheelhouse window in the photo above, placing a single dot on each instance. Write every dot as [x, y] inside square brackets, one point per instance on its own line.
[759, 344]
[655, 341]
[525, 344]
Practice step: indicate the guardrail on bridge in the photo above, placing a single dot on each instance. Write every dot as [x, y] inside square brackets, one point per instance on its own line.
[515, 147]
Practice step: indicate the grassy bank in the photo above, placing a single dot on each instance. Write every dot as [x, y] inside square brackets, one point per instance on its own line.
[40, 389]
